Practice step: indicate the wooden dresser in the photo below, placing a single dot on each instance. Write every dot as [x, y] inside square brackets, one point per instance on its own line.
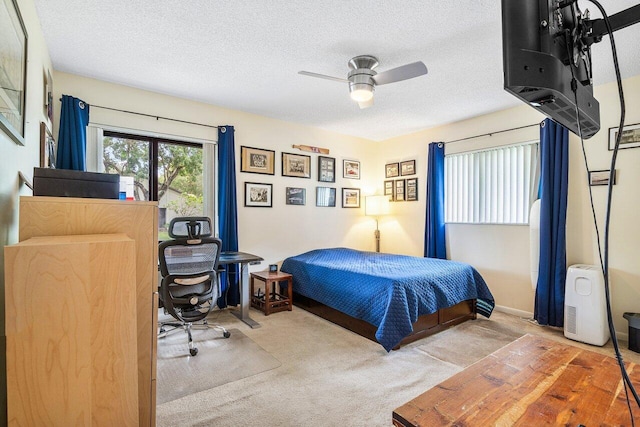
[71, 352]
[61, 216]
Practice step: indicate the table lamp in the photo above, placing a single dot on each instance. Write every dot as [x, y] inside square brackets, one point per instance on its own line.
[376, 206]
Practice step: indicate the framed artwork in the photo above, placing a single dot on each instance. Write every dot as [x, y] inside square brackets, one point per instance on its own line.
[13, 70]
[388, 189]
[325, 196]
[411, 189]
[326, 169]
[257, 160]
[297, 165]
[351, 169]
[408, 167]
[400, 190]
[48, 95]
[47, 147]
[630, 137]
[391, 170]
[601, 177]
[257, 195]
[350, 197]
[296, 196]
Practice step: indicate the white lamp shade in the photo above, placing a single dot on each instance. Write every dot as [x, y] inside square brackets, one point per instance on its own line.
[376, 205]
[362, 95]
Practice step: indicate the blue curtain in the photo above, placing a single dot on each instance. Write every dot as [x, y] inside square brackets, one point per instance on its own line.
[228, 213]
[434, 237]
[72, 134]
[552, 268]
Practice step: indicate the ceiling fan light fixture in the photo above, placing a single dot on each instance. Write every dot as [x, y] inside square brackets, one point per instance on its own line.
[363, 79]
[361, 92]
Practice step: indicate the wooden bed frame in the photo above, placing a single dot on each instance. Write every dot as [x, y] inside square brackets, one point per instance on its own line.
[426, 325]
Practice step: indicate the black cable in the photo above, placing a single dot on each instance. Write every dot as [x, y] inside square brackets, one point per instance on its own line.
[595, 223]
[605, 262]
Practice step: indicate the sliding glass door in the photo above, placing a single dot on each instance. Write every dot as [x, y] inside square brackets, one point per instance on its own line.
[162, 170]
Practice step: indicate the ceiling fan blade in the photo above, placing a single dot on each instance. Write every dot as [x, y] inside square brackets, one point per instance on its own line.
[365, 104]
[398, 74]
[322, 76]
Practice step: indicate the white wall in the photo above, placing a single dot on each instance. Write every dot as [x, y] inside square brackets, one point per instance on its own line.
[15, 158]
[501, 253]
[624, 246]
[273, 233]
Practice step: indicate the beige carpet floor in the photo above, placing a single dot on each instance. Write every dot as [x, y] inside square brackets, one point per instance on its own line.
[330, 376]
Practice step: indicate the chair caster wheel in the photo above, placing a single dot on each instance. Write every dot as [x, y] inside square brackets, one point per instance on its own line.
[193, 351]
[226, 334]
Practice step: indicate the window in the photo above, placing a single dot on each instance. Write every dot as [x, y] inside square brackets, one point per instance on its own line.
[495, 186]
[162, 170]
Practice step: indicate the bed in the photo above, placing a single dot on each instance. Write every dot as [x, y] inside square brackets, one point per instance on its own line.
[392, 299]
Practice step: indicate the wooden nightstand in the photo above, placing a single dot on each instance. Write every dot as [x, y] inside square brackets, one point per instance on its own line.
[272, 300]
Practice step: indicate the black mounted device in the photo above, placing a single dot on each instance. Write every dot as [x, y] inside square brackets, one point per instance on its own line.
[546, 51]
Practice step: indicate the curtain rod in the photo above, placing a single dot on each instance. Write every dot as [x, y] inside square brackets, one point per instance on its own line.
[152, 116]
[491, 133]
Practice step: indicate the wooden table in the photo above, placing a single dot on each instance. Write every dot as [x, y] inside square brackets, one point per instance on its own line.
[531, 382]
[272, 300]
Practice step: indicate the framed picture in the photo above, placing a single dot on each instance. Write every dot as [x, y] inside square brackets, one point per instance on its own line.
[48, 95]
[351, 169]
[388, 189]
[408, 167]
[297, 165]
[411, 190]
[601, 177]
[325, 196]
[350, 197]
[391, 170]
[326, 169]
[257, 160]
[13, 70]
[399, 190]
[47, 147]
[296, 196]
[257, 195]
[630, 137]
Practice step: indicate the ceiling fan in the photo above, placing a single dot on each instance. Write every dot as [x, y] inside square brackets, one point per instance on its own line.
[363, 79]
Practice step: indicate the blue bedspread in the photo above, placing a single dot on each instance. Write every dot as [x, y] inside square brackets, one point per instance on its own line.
[388, 291]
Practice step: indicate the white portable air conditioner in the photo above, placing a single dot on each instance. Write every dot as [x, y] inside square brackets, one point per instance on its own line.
[585, 315]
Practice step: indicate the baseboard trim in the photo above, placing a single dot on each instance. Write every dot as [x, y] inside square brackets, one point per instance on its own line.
[622, 336]
[514, 311]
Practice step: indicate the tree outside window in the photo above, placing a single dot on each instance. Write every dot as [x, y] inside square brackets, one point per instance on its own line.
[177, 166]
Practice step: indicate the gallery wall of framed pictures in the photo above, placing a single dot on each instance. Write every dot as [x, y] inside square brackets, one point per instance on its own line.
[403, 189]
[400, 184]
[256, 160]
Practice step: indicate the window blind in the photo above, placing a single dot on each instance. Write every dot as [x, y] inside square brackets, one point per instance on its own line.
[495, 186]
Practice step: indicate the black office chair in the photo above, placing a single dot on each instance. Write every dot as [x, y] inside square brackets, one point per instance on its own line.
[189, 267]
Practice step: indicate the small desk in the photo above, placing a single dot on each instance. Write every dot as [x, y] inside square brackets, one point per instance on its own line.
[243, 259]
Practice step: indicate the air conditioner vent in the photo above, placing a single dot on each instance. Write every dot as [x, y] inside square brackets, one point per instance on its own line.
[570, 322]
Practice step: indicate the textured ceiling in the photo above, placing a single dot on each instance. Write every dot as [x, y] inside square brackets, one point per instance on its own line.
[245, 55]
